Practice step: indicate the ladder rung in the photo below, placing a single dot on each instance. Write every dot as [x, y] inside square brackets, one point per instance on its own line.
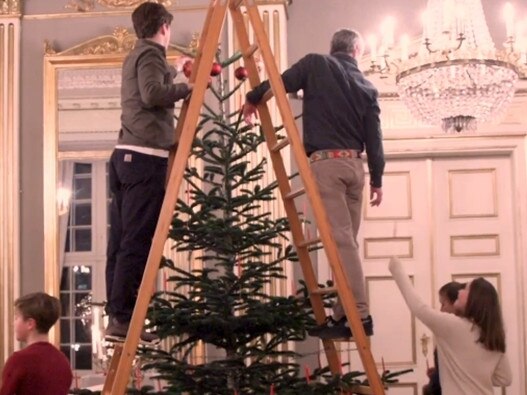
[351, 339]
[282, 144]
[361, 389]
[324, 291]
[309, 243]
[295, 194]
[250, 51]
[237, 3]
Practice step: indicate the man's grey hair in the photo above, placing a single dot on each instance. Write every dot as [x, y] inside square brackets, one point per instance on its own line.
[345, 40]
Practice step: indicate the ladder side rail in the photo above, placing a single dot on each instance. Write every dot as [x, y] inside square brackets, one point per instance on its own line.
[285, 188]
[184, 107]
[201, 78]
[326, 235]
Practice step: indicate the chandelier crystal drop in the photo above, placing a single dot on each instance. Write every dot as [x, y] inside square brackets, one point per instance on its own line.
[456, 78]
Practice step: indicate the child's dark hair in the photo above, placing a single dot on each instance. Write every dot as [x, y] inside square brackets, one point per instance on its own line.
[41, 307]
[483, 309]
[148, 18]
[450, 290]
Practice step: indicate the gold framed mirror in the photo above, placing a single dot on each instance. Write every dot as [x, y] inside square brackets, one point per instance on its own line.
[81, 122]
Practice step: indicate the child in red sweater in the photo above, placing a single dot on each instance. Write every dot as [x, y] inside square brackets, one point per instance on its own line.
[39, 368]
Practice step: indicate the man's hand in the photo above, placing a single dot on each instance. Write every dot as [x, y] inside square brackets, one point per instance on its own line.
[248, 110]
[190, 87]
[375, 196]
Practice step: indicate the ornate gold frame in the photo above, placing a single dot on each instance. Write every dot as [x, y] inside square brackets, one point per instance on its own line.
[101, 52]
[11, 7]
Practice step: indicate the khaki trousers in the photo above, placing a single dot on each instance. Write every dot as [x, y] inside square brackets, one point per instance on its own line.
[341, 182]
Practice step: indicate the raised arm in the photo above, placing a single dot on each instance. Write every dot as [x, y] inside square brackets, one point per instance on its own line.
[437, 321]
[155, 85]
[294, 79]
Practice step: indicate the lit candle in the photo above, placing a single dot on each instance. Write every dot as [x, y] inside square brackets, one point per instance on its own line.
[519, 34]
[508, 13]
[63, 200]
[424, 21]
[460, 18]
[405, 42]
[388, 29]
[372, 43]
[448, 14]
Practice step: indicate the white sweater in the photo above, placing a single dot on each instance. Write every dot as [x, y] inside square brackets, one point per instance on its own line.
[465, 366]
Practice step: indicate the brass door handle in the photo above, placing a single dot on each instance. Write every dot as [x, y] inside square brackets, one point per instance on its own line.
[424, 344]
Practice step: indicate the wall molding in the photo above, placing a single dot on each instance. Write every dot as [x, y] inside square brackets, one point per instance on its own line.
[11, 7]
[9, 180]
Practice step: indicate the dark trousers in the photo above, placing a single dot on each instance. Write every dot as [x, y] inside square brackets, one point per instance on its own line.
[137, 183]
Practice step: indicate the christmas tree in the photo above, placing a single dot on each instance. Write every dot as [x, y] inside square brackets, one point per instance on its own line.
[226, 304]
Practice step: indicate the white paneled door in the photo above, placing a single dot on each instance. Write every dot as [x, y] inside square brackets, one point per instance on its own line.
[474, 236]
[448, 218]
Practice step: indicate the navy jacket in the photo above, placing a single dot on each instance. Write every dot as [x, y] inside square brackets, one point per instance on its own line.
[340, 107]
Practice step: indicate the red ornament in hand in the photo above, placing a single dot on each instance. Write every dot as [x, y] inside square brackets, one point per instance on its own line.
[241, 73]
[187, 68]
[215, 70]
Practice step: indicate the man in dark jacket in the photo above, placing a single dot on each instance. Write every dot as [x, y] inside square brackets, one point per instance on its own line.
[138, 165]
[340, 120]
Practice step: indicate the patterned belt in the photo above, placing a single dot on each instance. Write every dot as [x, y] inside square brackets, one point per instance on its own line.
[334, 154]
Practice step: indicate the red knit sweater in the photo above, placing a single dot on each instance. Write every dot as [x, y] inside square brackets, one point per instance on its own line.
[37, 369]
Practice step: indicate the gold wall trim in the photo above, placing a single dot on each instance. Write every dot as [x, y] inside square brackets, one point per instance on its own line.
[129, 3]
[89, 5]
[3, 231]
[10, 7]
[493, 237]
[9, 184]
[85, 11]
[98, 14]
[120, 41]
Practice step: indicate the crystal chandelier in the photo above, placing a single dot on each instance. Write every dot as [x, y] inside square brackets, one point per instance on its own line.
[457, 77]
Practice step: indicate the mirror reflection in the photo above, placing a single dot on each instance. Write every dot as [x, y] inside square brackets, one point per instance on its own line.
[82, 120]
[88, 109]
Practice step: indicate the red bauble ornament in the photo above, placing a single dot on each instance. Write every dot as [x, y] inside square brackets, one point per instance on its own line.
[187, 68]
[241, 73]
[215, 70]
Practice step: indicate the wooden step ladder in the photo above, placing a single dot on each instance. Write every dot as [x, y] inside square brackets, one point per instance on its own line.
[121, 363]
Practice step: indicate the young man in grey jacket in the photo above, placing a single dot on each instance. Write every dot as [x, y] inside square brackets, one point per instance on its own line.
[138, 165]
